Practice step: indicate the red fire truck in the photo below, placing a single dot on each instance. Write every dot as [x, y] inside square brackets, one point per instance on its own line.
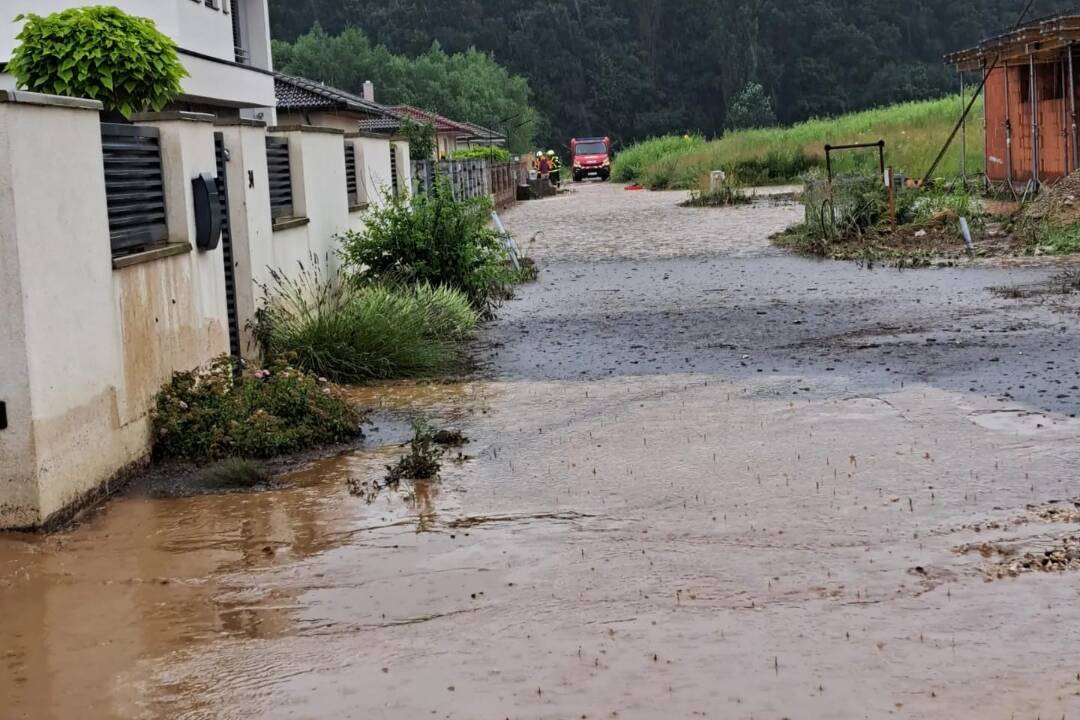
[592, 157]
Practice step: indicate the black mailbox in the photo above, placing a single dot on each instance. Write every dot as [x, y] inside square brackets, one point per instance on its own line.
[207, 212]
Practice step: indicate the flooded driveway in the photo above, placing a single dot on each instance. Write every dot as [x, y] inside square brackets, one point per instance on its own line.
[705, 479]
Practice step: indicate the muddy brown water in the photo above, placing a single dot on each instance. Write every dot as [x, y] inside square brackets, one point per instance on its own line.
[648, 526]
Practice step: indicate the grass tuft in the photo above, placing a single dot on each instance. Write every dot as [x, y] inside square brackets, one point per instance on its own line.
[354, 333]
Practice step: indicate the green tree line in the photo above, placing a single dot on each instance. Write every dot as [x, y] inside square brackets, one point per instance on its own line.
[636, 68]
[468, 85]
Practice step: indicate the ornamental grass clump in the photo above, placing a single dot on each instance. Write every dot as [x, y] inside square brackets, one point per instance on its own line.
[354, 333]
[101, 53]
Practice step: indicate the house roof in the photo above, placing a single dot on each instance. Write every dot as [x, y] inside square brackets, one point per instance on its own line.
[443, 125]
[1042, 40]
[482, 133]
[297, 93]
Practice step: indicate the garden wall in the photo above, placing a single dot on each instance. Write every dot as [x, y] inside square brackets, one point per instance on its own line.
[113, 276]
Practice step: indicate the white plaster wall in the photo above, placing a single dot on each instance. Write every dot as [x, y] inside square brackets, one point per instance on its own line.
[172, 312]
[66, 270]
[98, 343]
[321, 172]
[404, 163]
[18, 491]
[374, 169]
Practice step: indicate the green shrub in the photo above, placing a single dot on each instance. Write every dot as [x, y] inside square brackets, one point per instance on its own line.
[353, 333]
[421, 138]
[212, 414]
[101, 53]
[493, 153]
[433, 239]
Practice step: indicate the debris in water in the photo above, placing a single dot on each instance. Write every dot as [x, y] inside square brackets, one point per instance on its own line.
[1057, 512]
[450, 438]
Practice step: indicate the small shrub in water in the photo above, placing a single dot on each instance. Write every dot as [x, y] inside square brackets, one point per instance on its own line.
[422, 462]
[726, 195]
[212, 414]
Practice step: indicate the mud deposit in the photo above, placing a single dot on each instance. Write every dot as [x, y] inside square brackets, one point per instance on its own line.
[718, 483]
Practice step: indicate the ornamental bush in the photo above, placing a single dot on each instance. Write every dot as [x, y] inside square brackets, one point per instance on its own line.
[100, 53]
[215, 413]
[433, 239]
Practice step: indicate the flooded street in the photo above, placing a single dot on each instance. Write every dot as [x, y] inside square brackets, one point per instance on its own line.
[704, 479]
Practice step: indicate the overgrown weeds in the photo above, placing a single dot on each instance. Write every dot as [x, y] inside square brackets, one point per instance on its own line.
[912, 133]
[851, 221]
[352, 333]
[218, 413]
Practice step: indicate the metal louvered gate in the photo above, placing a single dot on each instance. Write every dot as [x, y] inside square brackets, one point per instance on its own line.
[134, 187]
[227, 245]
[352, 187]
[280, 177]
[394, 170]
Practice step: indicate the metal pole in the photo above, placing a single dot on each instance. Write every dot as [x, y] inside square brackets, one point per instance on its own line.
[1008, 130]
[1033, 96]
[963, 131]
[1072, 112]
[986, 134]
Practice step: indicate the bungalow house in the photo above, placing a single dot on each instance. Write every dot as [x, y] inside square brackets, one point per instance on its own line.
[306, 102]
[450, 135]
[224, 44]
[1030, 98]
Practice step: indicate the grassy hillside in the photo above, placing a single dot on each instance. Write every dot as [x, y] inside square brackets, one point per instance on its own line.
[913, 134]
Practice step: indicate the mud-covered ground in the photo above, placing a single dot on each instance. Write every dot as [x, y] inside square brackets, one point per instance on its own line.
[705, 479]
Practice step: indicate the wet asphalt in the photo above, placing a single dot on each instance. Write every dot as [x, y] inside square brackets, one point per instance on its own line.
[749, 312]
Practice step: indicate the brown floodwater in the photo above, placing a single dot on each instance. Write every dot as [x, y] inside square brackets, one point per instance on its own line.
[668, 545]
[654, 542]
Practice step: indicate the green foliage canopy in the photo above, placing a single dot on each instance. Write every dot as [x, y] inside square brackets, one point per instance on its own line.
[421, 137]
[101, 53]
[469, 85]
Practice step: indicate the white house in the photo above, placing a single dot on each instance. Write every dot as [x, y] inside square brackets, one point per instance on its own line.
[224, 44]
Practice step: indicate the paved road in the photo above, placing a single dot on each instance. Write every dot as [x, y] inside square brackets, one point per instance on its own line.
[705, 479]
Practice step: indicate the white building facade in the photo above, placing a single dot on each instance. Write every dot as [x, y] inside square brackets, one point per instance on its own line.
[224, 44]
